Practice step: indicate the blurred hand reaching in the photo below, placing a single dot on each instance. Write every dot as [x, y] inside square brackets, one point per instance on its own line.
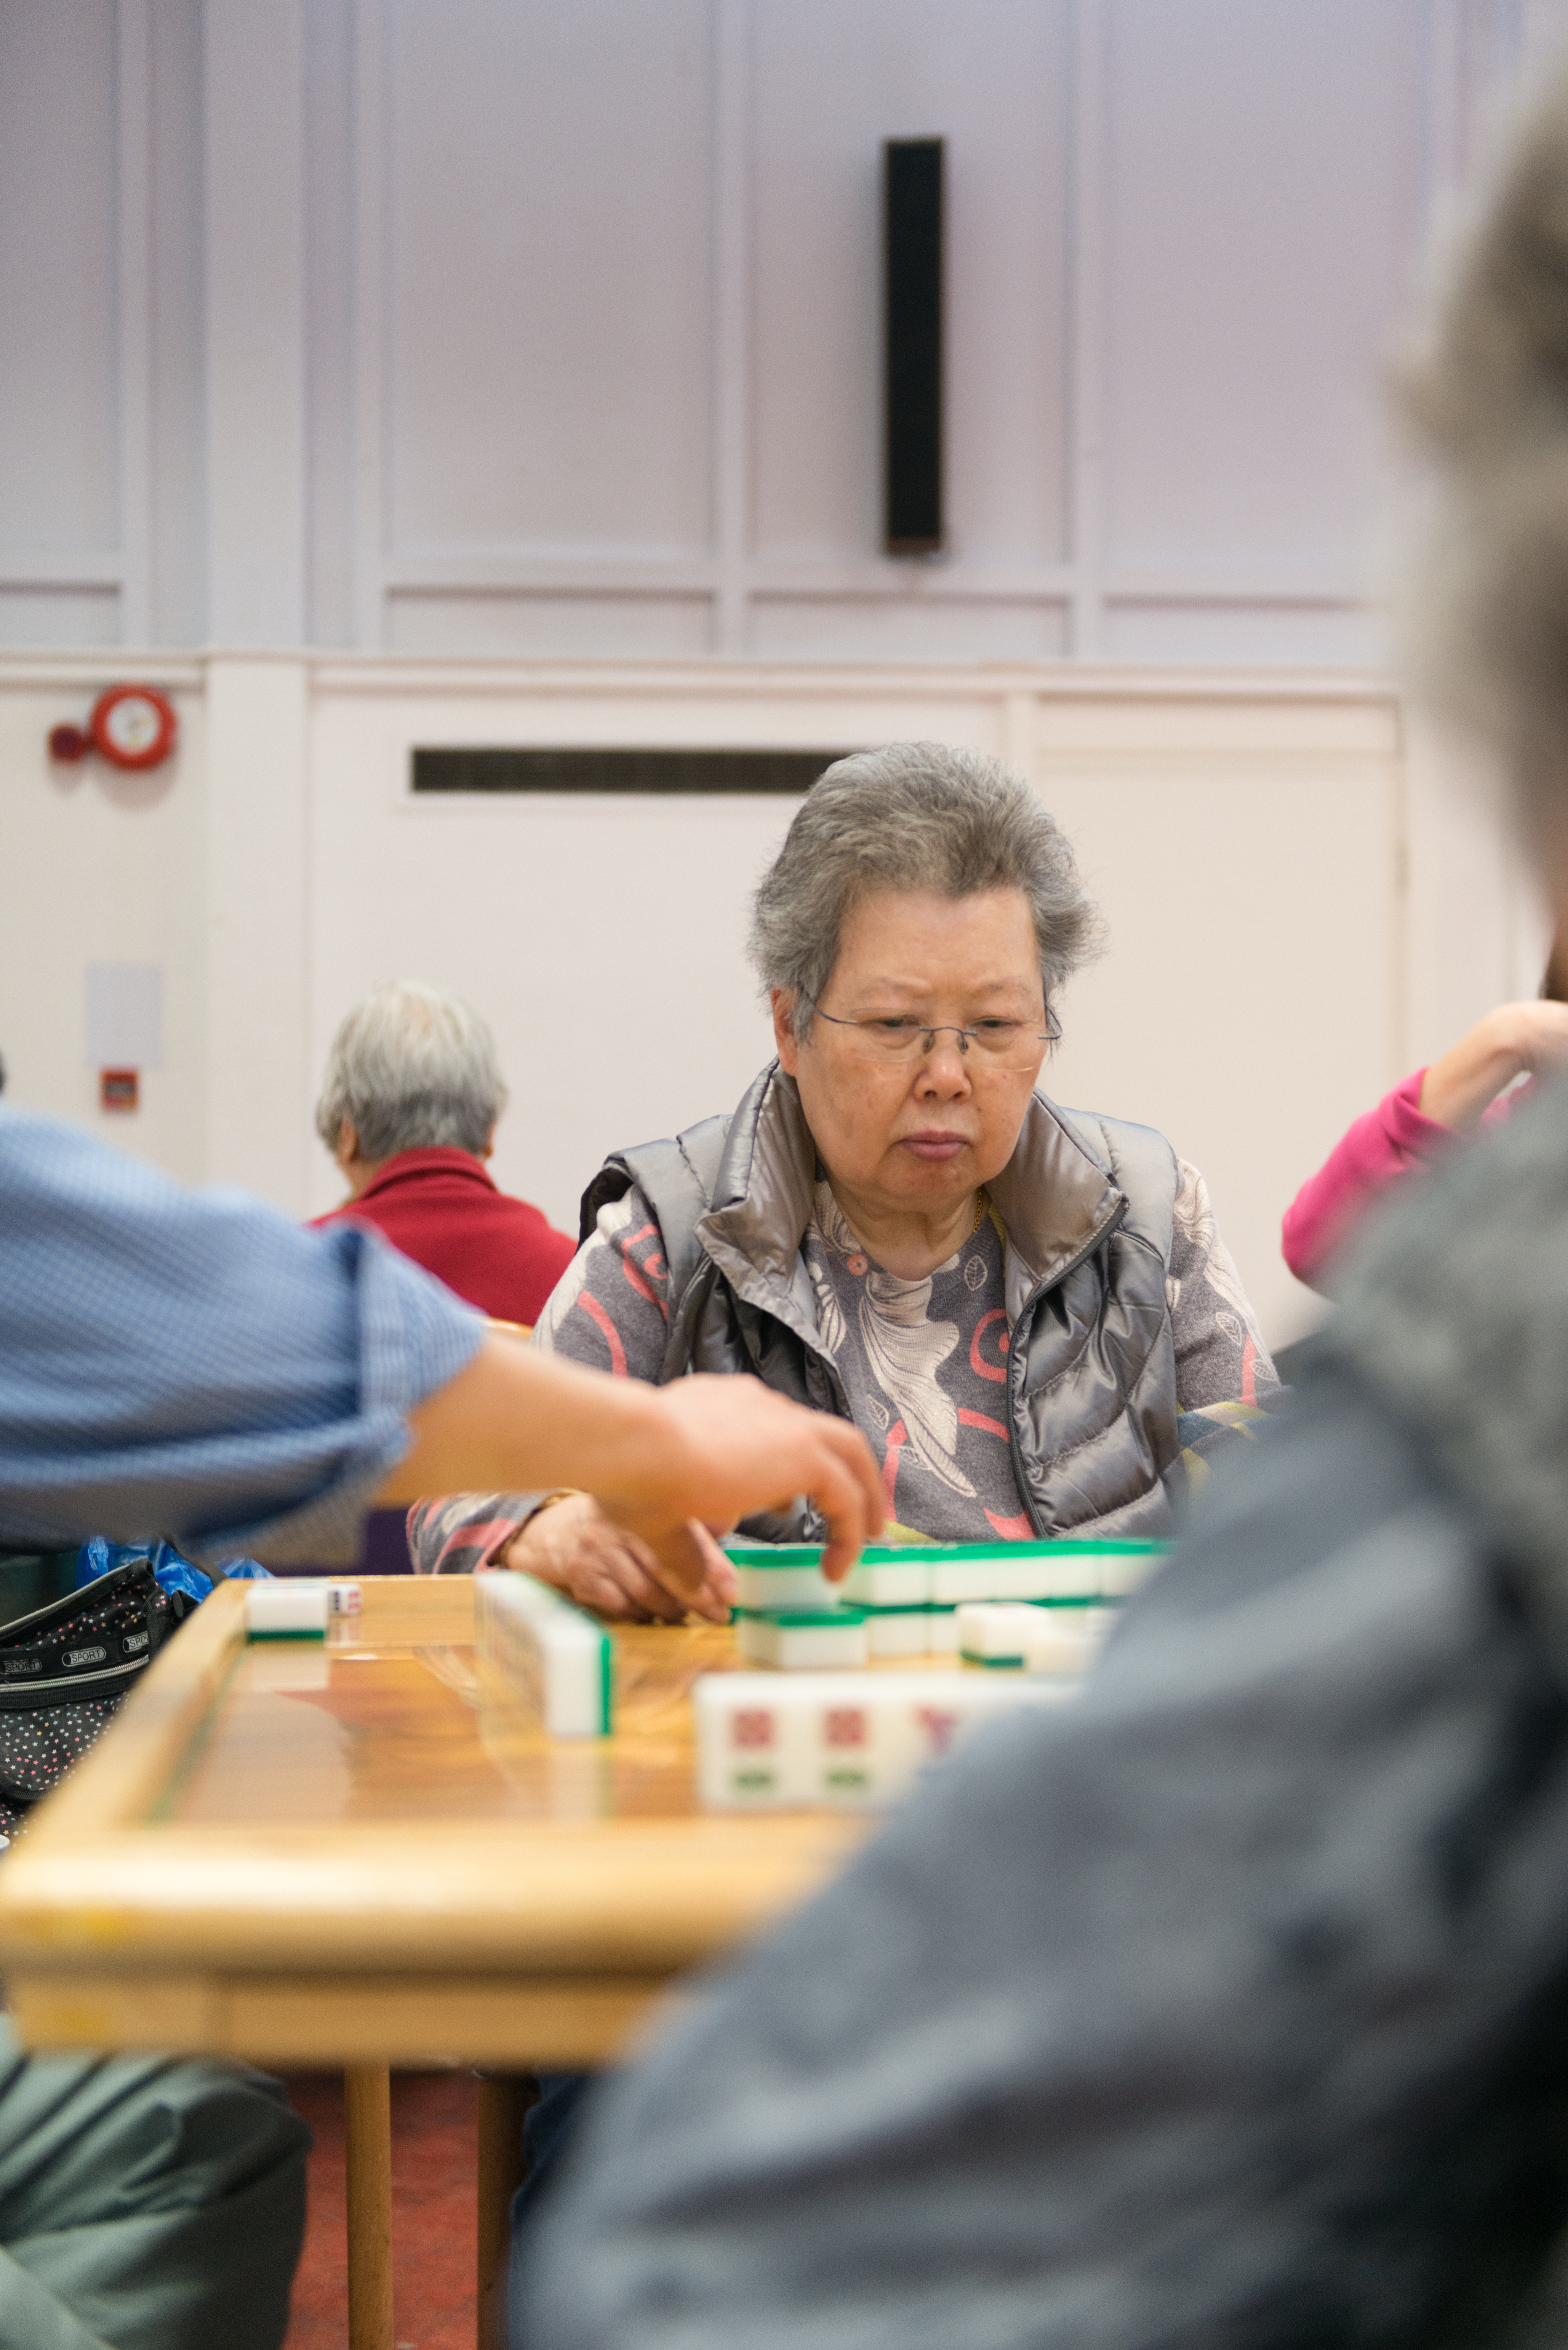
[734, 1448]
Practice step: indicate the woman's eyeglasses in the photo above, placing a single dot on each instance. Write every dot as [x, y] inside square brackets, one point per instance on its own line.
[1001, 1043]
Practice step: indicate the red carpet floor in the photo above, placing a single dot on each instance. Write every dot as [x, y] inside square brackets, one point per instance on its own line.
[435, 2143]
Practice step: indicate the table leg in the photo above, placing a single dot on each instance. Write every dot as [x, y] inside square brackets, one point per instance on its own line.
[503, 2099]
[368, 2133]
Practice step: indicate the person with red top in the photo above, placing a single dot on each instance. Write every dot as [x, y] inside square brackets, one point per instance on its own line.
[1473, 1084]
[409, 1109]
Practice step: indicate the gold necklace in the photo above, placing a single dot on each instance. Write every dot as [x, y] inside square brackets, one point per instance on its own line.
[981, 1204]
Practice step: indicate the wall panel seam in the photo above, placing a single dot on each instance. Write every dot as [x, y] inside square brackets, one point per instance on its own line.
[1086, 263]
[371, 360]
[731, 372]
[133, 189]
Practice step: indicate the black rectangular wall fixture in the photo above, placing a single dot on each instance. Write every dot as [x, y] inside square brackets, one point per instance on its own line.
[582, 768]
[912, 345]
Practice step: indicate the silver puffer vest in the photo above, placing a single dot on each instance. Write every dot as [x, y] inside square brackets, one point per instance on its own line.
[1086, 1203]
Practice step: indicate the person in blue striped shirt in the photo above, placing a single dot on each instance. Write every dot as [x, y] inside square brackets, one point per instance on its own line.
[192, 1364]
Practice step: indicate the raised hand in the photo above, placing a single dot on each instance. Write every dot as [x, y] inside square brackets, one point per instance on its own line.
[1514, 1041]
[735, 1448]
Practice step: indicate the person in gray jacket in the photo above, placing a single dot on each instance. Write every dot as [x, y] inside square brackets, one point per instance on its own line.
[1229, 2004]
[1013, 1302]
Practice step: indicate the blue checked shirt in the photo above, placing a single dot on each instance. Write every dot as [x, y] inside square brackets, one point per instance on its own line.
[192, 1364]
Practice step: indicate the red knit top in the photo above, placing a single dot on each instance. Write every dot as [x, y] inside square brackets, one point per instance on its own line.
[441, 1208]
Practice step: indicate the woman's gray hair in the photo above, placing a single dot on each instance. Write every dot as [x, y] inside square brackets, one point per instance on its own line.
[412, 1068]
[1485, 568]
[914, 816]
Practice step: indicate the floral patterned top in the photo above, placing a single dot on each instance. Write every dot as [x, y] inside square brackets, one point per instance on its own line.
[923, 1364]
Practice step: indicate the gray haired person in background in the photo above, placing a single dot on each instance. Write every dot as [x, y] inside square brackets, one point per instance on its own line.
[411, 1068]
[1228, 2004]
[409, 1109]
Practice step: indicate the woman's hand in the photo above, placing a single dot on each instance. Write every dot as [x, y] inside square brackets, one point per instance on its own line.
[575, 1547]
[1514, 1041]
[727, 1446]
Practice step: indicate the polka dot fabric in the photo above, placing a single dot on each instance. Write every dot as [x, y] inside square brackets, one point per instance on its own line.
[37, 1749]
[65, 1672]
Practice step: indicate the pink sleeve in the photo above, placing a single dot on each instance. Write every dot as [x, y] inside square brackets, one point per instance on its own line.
[1381, 1146]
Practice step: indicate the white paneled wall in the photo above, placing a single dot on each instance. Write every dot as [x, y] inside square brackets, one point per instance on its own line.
[550, 328]
[1264, 192]
[59, 284]
[547, 317]
[99, 867]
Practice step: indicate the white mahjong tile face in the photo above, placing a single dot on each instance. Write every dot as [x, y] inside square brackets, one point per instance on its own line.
[754, 1753]
[762, 1749]
[869, 1748]
[849, 1754]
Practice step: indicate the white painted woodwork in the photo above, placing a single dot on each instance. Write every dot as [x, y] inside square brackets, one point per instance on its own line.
[99, 867]
[554, 161]
[255, 308]
[59, 527]
[1264, 195]
[550, 329]
[256, 896]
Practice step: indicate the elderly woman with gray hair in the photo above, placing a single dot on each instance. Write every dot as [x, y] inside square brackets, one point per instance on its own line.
[1015, 1303]
[409, 1109]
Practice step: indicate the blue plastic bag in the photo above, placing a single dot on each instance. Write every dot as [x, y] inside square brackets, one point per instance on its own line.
[97, 1555]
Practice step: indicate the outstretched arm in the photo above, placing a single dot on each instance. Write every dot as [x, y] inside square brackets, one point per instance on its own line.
[190, 1363]
[1413, 1122]
[663, 1462]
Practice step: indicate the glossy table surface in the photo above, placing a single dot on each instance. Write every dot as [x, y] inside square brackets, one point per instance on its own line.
[371, 1729]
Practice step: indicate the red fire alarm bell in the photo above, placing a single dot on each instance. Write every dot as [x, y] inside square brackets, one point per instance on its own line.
[130, 726]
[133, 726]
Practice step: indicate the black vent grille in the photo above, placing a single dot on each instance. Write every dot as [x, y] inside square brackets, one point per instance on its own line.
[562, 770]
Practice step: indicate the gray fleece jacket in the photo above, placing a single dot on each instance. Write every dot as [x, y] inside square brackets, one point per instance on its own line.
[1227, 2005]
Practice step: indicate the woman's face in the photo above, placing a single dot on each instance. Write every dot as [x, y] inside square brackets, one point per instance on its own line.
[916, 1132]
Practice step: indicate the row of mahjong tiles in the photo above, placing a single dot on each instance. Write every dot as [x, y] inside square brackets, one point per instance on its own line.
[908, 1602]
[562, 1657]
[769, 1741]
[770, 1577]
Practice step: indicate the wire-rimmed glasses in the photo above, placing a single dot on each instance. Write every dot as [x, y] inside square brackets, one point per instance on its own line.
[899, 1037]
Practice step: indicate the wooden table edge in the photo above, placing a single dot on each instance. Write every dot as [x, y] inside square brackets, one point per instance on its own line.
[312, 2018]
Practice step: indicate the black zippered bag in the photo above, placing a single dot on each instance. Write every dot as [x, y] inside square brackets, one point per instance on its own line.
[66, 1669]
